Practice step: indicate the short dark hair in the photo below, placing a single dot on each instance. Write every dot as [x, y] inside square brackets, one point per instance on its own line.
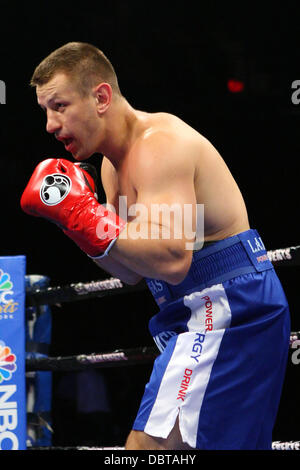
[84, 63]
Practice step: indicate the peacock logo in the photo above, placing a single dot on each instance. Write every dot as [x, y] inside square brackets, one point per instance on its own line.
[7, 303]
[5, 282]
[7, 362]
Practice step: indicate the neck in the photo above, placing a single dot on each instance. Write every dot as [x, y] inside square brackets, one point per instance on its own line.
[120, 130]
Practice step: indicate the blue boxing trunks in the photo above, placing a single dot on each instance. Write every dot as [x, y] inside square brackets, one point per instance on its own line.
[224, 336]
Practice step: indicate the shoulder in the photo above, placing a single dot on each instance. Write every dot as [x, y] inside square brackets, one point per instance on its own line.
[168, 143]
[170, 134]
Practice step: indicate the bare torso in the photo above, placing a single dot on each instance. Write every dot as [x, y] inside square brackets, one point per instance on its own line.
[214, 186]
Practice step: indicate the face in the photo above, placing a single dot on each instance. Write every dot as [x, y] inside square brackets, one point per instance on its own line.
[72, 119]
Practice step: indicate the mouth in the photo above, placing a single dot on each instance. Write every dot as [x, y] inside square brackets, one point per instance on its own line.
[68, 144]
[67, 141]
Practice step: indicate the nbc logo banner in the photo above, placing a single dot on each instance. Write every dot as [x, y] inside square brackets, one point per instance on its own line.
[12, 353]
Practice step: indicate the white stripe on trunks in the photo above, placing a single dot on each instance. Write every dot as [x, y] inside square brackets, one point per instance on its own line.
[187, 374]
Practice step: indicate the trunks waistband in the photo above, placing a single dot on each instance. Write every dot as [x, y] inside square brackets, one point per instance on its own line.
[216, 263]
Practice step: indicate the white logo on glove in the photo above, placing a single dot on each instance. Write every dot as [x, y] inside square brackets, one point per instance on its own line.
[55, 188]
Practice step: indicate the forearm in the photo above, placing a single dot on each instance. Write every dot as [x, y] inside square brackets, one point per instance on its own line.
[152, 256]
[118, 270]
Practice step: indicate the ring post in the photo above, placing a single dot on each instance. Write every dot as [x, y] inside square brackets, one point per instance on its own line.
[38, 383]
[12, 353]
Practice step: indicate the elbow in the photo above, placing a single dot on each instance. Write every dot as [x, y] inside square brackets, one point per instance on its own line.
[133, 280]
[178, 270]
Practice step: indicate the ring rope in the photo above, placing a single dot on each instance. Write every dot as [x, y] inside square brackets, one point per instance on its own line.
[113, 286]
[120, 357]
[76, 448]
[276, 445]
[80, 291]
[285, 256]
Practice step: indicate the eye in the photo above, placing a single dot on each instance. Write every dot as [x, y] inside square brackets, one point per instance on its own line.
[60, 106]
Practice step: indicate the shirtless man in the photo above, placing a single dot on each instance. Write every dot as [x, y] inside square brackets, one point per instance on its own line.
[223, 323]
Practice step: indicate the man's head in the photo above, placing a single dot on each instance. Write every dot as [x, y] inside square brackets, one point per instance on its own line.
[83, 63]
[75, 86]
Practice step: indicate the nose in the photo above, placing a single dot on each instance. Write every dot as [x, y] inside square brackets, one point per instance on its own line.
[53, 122]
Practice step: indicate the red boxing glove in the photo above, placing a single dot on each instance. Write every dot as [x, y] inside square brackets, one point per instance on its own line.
[64, 193]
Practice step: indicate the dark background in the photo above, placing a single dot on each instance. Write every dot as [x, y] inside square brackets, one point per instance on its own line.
[169, 56]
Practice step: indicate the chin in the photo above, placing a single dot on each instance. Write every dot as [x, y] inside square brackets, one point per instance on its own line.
[81, 158]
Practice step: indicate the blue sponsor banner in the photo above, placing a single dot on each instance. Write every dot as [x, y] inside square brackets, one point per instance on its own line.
[12, 353]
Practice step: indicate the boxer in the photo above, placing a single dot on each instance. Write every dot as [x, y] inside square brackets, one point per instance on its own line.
[223, 321]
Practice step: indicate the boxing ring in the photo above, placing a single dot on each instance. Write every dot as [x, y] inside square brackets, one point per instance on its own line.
[26, 375]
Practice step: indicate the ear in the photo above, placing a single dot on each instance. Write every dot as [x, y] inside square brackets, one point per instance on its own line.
[103, 96]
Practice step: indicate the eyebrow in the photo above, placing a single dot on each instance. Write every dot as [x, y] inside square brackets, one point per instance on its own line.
[49, 100]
